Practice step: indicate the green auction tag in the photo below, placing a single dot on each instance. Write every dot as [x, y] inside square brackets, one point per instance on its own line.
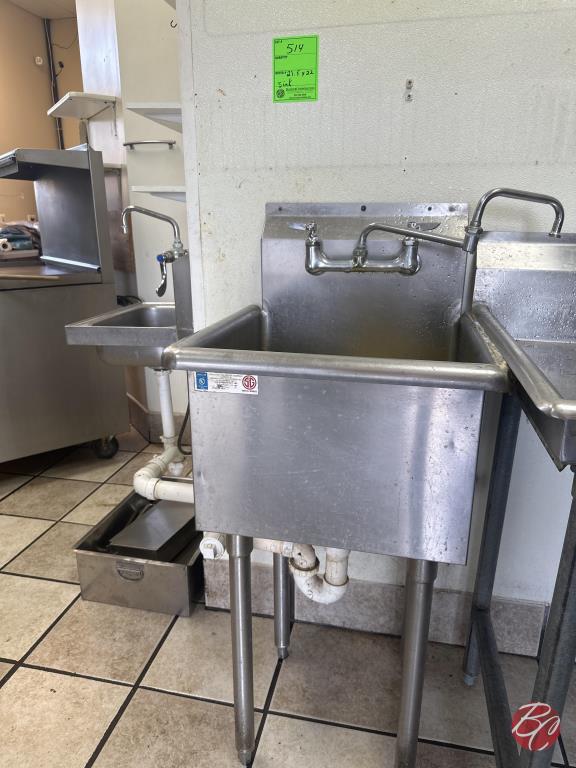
[295, 62]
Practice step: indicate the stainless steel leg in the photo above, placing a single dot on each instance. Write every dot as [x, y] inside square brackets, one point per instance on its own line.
[239, 550]
[418, 604]
[493, 524]
[559, 645]
[282, 605]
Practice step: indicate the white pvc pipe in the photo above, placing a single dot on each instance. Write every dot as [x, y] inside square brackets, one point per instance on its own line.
[213, 546]
[147, 480]
[174, 490]
[304, 566]
[166, 409]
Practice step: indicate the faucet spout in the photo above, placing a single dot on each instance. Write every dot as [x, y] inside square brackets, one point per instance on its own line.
[474, 229]
[411, 233]
[154, 214]
[178, 257]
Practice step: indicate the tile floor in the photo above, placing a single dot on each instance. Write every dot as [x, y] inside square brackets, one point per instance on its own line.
[85, 684]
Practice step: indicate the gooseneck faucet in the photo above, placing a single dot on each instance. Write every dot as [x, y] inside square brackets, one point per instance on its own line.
[168, 257]
[178, 256]
[474, 229]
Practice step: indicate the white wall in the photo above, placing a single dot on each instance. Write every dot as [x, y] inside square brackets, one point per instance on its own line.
[494, 104]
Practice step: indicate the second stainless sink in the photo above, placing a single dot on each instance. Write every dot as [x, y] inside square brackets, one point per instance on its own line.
[135, 335]
[526, 287]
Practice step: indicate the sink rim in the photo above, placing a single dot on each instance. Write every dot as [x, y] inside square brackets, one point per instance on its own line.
[541, 391]
[98, 331]
[198, 353]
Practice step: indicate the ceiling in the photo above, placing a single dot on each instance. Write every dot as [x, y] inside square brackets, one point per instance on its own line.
[48, 9]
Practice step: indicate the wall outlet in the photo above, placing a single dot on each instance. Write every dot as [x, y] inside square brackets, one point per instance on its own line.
[2, 218]
[31, 217]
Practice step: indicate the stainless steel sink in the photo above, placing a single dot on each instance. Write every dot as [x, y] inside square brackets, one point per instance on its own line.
[526, 290]
[135, 335]
[346, 410]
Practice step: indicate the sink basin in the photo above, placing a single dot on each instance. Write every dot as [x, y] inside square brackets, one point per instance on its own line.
[345, 411]
[135, 335]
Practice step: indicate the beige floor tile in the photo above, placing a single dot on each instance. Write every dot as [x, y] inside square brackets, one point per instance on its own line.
[97, 506]
[54, 721]
[289, 743]
[102, 640]
[455, 713]
[33, 465]
[342, 676]
[196, 657]
[154, 448]
[47, 498]
[52, 556]
[325, 664]
[125, 476]
[4, 668]
[132, 441]
[16, 533]
[158, 448]
[83, 465]
[162, 731]
[9, 483]
[28, 607]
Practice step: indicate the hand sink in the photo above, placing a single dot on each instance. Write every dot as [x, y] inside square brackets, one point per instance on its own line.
[135, 335]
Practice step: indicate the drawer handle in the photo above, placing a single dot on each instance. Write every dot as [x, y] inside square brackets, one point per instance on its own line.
[130, 572]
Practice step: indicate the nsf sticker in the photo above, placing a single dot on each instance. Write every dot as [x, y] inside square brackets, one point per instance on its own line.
[228, 383]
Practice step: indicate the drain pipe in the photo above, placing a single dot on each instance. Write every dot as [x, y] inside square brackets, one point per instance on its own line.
[147, 480]
[304, 565]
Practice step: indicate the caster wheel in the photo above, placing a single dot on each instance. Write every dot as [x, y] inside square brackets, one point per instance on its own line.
[105, 448]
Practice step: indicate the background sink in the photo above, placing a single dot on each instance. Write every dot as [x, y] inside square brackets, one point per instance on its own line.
[526, 288]
[135, 335]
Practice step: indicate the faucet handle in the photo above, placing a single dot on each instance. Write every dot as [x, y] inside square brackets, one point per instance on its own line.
[163, 259]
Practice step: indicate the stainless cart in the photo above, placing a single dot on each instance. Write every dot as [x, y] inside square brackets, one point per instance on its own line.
[53, 395]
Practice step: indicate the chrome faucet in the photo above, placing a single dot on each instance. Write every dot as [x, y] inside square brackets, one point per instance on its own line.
[474, 229]
[407, 262]
[317, 261]
[178, 256]
[168, 257]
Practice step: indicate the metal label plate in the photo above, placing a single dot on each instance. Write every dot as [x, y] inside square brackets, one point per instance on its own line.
[227, 383]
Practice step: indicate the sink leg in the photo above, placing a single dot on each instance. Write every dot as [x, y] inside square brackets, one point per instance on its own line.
[556, 664]
[283, 599]
[239, 551]
[420, 578]
[493, 524]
